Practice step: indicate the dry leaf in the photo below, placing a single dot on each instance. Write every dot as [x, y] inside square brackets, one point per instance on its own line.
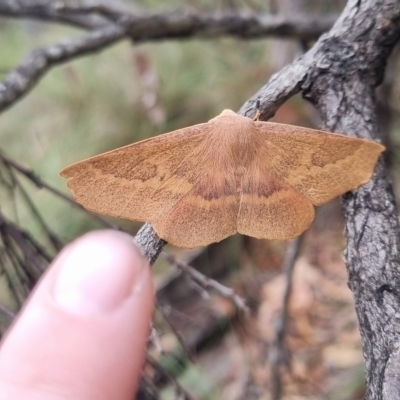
[201, 184]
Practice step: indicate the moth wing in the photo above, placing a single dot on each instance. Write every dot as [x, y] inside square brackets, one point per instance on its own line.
[141, 180]
[271, 209]
[208, 212]
[320, 165]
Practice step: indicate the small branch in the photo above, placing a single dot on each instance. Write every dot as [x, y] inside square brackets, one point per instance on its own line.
[49, 12]
[277, 349]
[5, 311]
[53, 238]
[281, 87]
[27, 244]
[111, 13]
[179, 25]
[165, 311]
[154, 339]
[207, 283]
[22, 79]
[7, 264]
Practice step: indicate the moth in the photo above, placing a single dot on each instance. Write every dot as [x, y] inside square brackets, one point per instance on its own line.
[203, 183]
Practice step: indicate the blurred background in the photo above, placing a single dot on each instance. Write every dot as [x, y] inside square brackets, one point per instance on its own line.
[300, 338]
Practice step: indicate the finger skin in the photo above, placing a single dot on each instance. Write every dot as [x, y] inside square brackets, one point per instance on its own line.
[53, 353]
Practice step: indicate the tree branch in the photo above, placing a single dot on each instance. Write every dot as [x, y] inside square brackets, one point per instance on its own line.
[19, 81]
[49, 12]
[206, 283]
[277, 349]
[283, 85]
[171, 25]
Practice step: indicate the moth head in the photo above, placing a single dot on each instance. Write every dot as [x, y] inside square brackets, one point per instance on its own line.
[225, 113]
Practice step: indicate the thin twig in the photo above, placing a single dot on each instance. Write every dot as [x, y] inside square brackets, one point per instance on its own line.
[23, 78]
[206, 283]
[281, 87]
[53, 238]
[99, 9]
[5, 311]
[154, 339]
[165, 310]
[25, 242]
[40, 184]
[48, 12]
[7, 258]
[277, 349]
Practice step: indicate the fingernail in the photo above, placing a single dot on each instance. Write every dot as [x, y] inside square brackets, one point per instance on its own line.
[97, 273]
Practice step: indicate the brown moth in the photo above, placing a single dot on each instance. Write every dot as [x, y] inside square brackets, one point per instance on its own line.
[201, 184]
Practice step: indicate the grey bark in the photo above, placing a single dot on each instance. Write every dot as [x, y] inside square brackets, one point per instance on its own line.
[172, 25]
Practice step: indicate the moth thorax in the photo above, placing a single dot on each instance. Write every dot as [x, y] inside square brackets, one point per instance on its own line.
[242, 142]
